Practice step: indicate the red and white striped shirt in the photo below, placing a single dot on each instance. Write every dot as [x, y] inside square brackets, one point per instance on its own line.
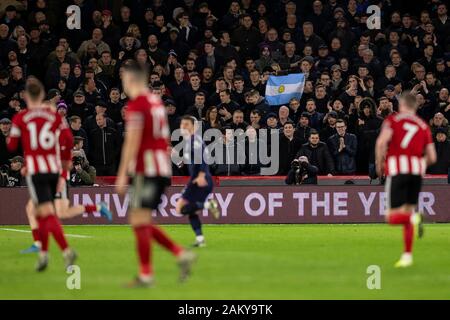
[38, 131]
[148, 113]
[410, 136]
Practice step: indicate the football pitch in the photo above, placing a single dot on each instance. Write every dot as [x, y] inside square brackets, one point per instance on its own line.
[239, 262]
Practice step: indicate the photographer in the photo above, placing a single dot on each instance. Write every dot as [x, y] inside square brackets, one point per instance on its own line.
[302, 172]
[82, 174]
[10, 176]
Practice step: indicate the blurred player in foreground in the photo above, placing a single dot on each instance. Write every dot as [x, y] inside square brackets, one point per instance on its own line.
[62, 202]
[200, 185]
[404, 149]
[145, 156]
[38, 130]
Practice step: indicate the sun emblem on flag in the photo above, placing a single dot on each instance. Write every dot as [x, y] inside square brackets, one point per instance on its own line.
[281, 89]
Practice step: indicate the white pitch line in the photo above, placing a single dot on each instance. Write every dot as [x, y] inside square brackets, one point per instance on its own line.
[27, 231]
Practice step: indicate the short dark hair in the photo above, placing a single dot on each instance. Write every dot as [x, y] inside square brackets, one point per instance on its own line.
[194, 74]
[134, 68]
[288, 122]
[72, 119]
[157, 85]
[221, 33]
[409, 100]
[189, 118]
[313, 131]
[34, 88]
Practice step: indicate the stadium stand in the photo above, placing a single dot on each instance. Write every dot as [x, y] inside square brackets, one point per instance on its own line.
[212, 58]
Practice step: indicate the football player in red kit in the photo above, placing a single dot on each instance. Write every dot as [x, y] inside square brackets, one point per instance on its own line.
[62, 202]
[146, 157]
[404, 150]
[38, 129]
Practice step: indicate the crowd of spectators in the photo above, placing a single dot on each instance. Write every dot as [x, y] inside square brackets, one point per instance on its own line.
[212, 59]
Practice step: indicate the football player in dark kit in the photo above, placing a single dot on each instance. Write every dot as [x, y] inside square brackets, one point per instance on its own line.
[200, 185]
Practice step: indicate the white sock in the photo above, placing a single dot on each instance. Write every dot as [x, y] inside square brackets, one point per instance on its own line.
[407, 255]
[414, 218]
[200, 238]
[37, 244]
[145, 277]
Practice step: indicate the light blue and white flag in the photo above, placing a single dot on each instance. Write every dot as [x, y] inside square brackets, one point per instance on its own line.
[281, 89]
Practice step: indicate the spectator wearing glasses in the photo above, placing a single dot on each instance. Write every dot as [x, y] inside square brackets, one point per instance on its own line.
[343, 147]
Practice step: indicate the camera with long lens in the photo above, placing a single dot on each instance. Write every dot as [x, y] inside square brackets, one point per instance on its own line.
[301, 170]
[295, 164]
[4, 178]
[77, 161]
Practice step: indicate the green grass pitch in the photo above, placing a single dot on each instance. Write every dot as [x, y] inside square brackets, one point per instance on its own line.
[240, 262]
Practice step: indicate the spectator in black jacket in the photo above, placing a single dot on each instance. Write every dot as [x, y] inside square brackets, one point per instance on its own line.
[114, 106]
[78, 131]
[303, 130]
[198, 109]
[237, 121]
[442, 144]
[252, 157]
[104, 147]
[193, 88]
[80, 107]
[90, 90]
[231, 158]
[308, 37]
[178, 89]
[302, 172]
[5, 130]
[210, 58]
[246, 38]
[257, 102]
[329, 125]
[90, 124]
[315, 118]
[6, 44]
[318, 154]
[15, 178]
[226, 106]
[6, 89]
[288, 147]
[367, 130]
[343, 147]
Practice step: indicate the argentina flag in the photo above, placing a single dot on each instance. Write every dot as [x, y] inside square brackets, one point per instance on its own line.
[280, 89]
